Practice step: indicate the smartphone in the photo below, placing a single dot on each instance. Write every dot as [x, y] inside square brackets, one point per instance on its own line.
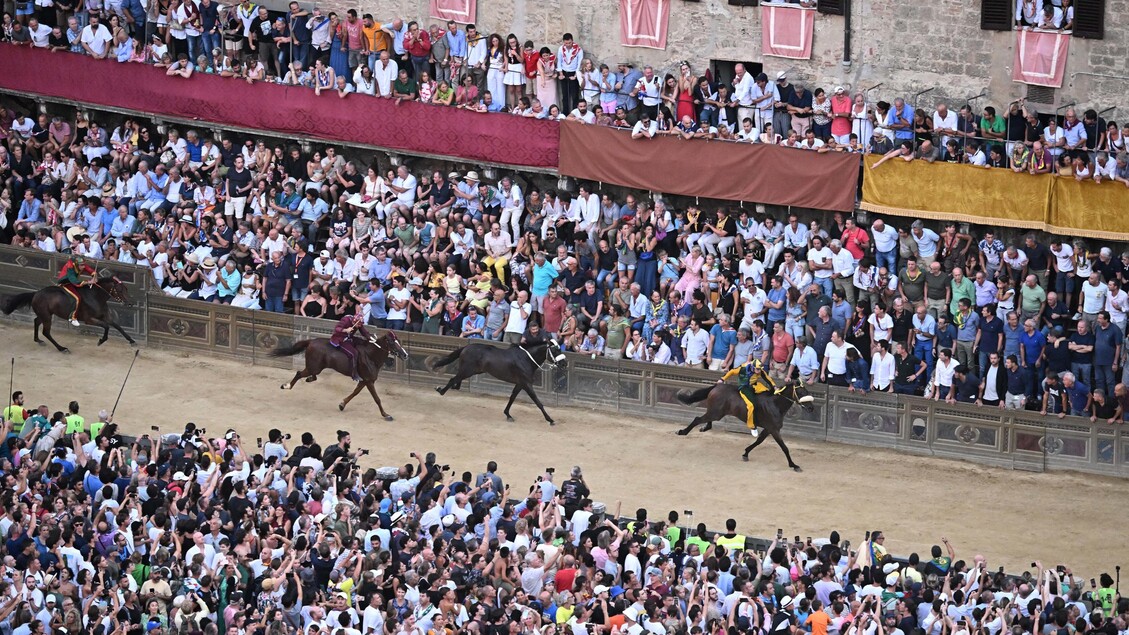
[779, 534]
[1034, 566]
[808, 543]
[259, 441]
[1060, 569]
[847, 544]
[797, 541]
[688, 512]
[867, 537]
[155, 428]
[1093, 583]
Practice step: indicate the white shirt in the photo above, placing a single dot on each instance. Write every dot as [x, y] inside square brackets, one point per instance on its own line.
[1093, 297]
[587, 117]
[1064, 257]
[836, 357]
[1117, 305]
[39, 35]
[695, 345]
[948, 122]
[743, 90]
[754, 303]
[400, 295]
[944, 374]
[96, 37]
[990, 383]
[517, 322]
[384, 76]
[882, 326]
[649, 130]
[885, 240]
[649, 90]
[1052, 139]
[758, 92]
[754, 270]
[843, 263]
[408, 196]
[819, 257]
[882, 368]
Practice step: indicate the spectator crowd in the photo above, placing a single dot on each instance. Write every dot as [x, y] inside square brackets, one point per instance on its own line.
[887, 305]
[204, 533]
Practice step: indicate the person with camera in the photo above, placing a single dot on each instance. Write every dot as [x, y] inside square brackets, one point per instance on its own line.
[276, 445]
[573, 491]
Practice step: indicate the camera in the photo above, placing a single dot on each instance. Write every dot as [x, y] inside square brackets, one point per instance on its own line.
[363, 453]
[286, 437]
[445, 468]
[259, 441]
[688, 512]
[155, 428]
[550, 470]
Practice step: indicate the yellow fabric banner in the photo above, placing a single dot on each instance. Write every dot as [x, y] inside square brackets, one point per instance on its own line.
[944, 191]
[1089, 209]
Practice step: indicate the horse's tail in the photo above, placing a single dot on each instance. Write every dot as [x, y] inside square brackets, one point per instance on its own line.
[448, 359]
[17, 301]
[293, 349]
[696, 396]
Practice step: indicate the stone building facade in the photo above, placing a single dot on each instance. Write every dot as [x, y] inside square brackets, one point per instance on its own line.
[905, 46]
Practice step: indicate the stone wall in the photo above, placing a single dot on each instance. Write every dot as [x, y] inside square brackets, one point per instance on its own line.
[907, 46]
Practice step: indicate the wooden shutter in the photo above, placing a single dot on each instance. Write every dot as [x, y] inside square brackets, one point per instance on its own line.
[996, 15]
[1089, 19]
[832, 7]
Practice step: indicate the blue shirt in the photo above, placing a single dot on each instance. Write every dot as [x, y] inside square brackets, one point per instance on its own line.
[313, 211]
[456, 43]
[946, 336]
[543, 276]
[106, 217]
[473, 322]
[967, 326]
[380, 270]
[29, 210]
[193, 150]
[990, 331]
[495, 105]
[155, 194]
[398, 37]
[1017, 381]
[928, 328]
[1011, 339]
[722, 341]
[776, 295]
[1078, 394]
[377, 310]
[1106, 342]
[842, 312]
[904, 134]
[1033, 346]
[858, 374]
[629, 81]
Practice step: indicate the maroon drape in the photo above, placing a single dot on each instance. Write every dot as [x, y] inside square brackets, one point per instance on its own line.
[711, 169]
[409, 127]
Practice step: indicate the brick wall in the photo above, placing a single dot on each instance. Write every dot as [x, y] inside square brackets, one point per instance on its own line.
[907, 45]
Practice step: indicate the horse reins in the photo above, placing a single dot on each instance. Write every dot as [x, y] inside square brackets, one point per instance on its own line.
[550, 361]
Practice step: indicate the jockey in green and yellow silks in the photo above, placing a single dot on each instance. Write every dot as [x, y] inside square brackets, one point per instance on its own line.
[752, 380]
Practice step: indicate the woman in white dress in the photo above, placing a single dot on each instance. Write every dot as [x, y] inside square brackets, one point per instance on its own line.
[862, 119]
[496, 72]
[515, 72]
[589, 80]
[248, 296]
[370, 192]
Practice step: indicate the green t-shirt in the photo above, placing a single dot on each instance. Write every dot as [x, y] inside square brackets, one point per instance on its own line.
[696, 540]
[407, 87]
[618, 328]
[1032, 298]
[1106, 597]
[997, 125]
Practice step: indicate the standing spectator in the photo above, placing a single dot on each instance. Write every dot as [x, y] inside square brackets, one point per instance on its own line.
[277, 277]
[1107, 351]
[1077, 396]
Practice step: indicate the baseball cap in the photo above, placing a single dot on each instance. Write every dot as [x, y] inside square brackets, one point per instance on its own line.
[600, 589]
[324, 253]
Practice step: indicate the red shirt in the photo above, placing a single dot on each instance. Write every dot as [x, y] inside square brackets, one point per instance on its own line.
[565, 579]
[781, 343]
[420, 47]
[553, 311]
[855, 241]
[531, 59]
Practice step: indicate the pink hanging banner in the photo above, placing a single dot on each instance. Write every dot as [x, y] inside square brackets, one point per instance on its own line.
[1040, 57]
[643, 23]
[786, 30]
[461, 11]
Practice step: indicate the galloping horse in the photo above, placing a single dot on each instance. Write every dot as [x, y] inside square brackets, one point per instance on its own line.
[515, 365]
[320, 355]
[723, 399]
[93, 310]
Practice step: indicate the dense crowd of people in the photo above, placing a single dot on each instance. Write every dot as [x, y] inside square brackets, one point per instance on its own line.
[891, 306]
[204, 533]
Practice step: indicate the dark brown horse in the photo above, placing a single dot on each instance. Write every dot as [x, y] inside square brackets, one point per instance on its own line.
[93, 310]
[516, 365]
[320, 355]
[724, 399]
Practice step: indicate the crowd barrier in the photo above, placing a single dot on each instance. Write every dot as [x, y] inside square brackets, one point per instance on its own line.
[1008, 439]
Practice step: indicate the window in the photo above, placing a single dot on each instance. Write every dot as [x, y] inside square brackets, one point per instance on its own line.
[723, 70]
[1089, 19]
[833, 7]
[996, 15]
[743, 3]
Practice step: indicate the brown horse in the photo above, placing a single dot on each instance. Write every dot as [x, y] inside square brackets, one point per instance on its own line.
[94, 308]
[724, 399]
[320, 355]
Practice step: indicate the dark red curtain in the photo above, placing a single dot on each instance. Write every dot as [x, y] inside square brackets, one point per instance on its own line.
[712, 169]
[409, 127]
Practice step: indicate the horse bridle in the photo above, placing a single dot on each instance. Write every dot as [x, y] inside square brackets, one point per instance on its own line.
[113, 291]
[795, 397]
[550, 360]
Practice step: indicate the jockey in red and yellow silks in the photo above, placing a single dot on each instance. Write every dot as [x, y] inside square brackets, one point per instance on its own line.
[70, 279]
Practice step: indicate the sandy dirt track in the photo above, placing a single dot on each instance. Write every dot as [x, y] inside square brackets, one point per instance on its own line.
[1010, 517]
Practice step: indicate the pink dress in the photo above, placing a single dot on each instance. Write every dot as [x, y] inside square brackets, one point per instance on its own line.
[547, 82]
[692, 277]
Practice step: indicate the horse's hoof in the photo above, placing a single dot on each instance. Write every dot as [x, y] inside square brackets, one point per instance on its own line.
[439, 389]
[509, 419]
[745, 458]
[341, 406]
[41, 342]
[311, 378]
[133, 343]
[65, 350]
[282, 387]
[388, 417]
[683, 433]
[552, 423]
[101, 342]
[707, 427]
[797, 468]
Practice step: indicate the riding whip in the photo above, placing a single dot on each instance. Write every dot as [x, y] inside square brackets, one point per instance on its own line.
[12, 380]
[118, 400]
